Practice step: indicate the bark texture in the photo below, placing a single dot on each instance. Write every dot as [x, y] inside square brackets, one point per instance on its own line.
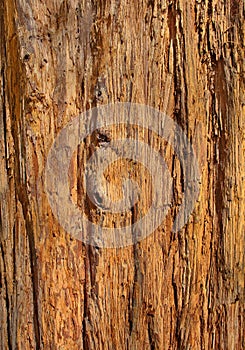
[169, 291]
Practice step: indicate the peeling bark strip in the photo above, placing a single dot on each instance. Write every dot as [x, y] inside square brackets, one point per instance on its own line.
[169, 291]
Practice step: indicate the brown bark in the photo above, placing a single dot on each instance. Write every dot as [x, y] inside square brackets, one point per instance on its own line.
[168, 291]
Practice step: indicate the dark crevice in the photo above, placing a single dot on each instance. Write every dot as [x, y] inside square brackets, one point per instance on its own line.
[210, 8]
[202, 330]
[4, 114]
[7, 299]
[137, 277]
[93, 257]
[131, 301]
[33, 261]
[84, 334]
[172, 19]
[85, 303]
[131, 291]
[178, 334]
[220, 110]
[15, 279]
[175, 293]
[90, 288]
[151, 335]
[235, 8]
[177, 329]
[185, 84]
[130, 316]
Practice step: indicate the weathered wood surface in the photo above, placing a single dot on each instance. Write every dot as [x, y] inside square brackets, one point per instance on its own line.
[183, 291]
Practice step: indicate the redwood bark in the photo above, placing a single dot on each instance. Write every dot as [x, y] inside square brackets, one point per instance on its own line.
[169, 291]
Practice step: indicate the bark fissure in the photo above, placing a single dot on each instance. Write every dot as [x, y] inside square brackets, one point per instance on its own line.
[7, 296]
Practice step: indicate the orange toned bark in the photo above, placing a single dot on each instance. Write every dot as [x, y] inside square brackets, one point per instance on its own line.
[169, 291]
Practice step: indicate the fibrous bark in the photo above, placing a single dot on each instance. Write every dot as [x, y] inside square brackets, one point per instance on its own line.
[169, 291]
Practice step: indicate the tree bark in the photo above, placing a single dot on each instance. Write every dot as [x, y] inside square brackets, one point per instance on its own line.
[167, 291]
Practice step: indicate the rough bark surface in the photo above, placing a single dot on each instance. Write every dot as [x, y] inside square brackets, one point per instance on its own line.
[169, 291]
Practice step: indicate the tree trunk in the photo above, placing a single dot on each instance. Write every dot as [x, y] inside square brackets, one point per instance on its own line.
[168, 290]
